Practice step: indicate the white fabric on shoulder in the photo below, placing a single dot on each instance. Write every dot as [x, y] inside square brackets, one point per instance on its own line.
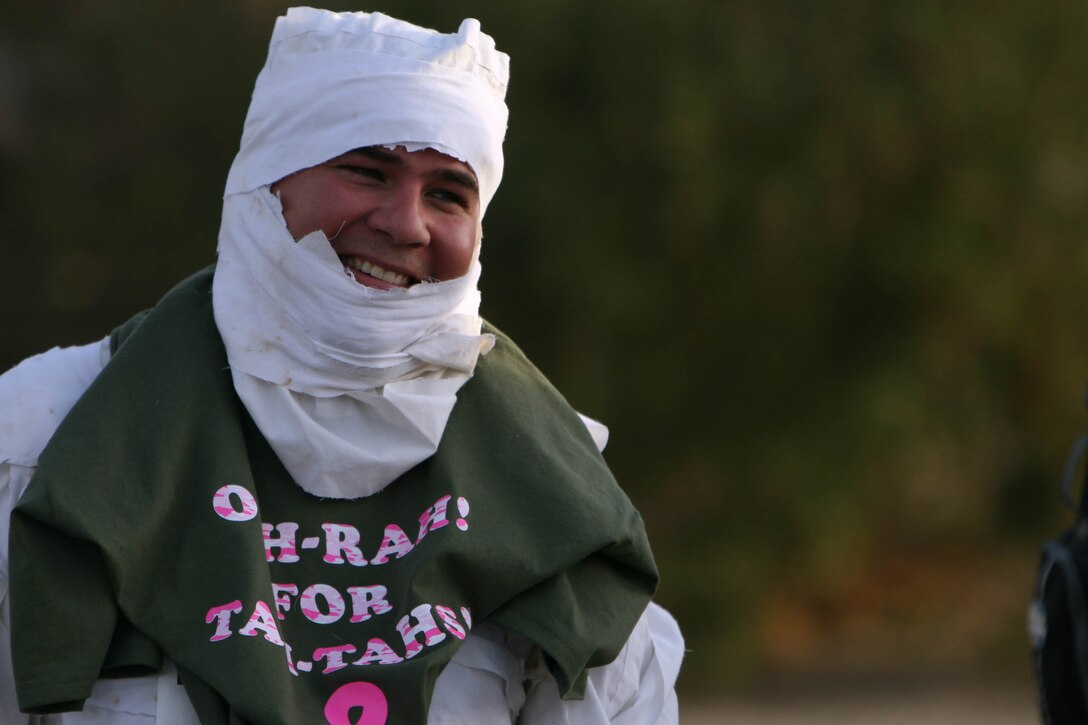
[35, 396]
[598, 431]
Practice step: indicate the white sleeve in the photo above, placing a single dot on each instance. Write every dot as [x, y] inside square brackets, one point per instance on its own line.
[482, 684]
[499, 678]
[637, 688]
[35, 396]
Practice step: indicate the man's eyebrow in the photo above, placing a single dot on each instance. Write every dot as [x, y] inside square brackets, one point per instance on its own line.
[461, 179]
[454, 176]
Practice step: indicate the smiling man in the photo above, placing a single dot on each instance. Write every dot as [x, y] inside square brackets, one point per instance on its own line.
[312, 485]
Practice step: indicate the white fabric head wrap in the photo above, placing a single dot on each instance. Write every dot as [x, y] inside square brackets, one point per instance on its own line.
[366, 79]
[350, 385]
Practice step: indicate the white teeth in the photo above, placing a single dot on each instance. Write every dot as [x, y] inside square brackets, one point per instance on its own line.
[377, 272]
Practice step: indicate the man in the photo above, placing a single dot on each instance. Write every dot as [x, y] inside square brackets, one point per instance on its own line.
[311, 485]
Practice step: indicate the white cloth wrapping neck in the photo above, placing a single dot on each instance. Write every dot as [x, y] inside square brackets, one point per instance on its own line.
[352, 386]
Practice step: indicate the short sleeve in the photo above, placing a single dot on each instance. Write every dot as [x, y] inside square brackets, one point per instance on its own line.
[637, 688]
[35, 396]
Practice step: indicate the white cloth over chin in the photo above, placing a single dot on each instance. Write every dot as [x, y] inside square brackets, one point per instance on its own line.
[351, 386]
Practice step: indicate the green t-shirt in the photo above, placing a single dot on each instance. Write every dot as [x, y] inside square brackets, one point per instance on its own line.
[161, 521]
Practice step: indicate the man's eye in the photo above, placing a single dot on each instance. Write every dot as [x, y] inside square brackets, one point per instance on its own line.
[364, 171]
[450, 197]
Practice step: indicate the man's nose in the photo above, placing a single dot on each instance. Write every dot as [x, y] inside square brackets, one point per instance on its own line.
[402, 215]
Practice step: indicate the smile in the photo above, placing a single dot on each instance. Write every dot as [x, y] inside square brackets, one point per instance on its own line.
[373, 270]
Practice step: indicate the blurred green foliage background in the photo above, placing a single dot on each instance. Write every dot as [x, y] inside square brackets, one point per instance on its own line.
[818, 265]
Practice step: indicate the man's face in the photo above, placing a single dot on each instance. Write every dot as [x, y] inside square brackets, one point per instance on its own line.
[394, 218]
